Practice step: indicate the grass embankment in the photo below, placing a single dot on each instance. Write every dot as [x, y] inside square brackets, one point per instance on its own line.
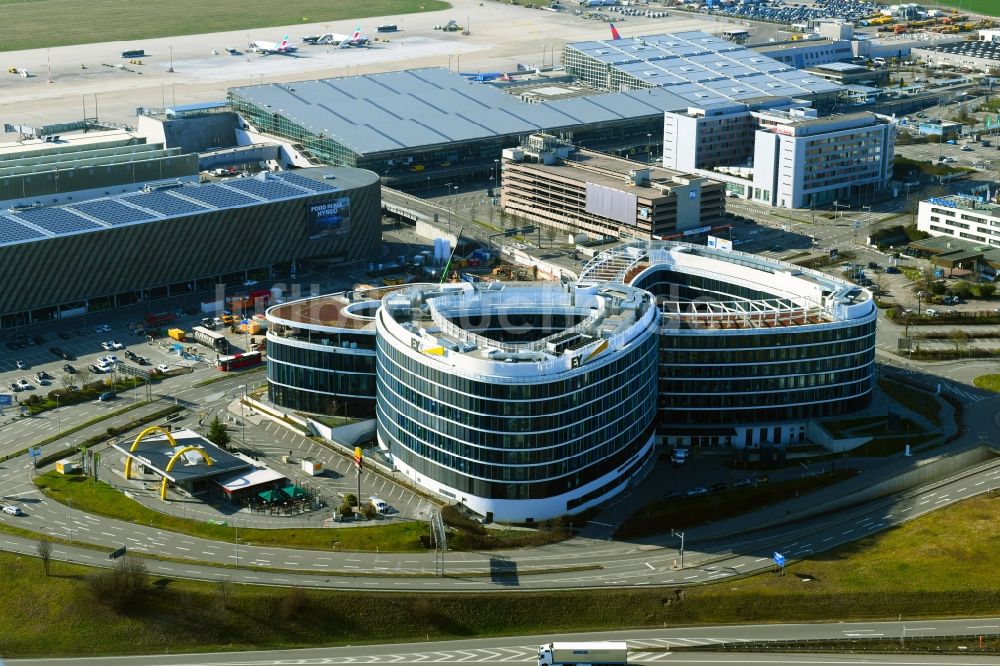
[917, 401]
[394, 537]
[100, 498]
[985, 7]
[945, 563]
[43, 23]
[682, 512]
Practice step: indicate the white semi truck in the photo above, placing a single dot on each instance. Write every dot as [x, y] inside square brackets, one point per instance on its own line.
[599, 653]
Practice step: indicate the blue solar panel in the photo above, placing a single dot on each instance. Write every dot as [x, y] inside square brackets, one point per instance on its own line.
[111, 211]
[216, 196]
[308, 183]
[57, 220]
[11, 231]
[265, 189]
[165, 204]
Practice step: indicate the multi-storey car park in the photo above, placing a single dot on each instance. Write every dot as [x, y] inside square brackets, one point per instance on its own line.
[80, 257]
[480, 393]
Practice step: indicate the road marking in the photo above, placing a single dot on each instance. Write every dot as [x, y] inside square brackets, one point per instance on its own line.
[847, 532]
[650, 566]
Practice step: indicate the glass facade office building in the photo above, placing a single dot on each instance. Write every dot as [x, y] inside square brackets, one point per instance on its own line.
[751, 349]
[489, 399]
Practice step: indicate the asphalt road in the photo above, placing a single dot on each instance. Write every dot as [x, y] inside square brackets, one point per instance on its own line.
[646, 646]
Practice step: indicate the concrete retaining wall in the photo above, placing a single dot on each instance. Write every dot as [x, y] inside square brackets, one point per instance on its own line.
[820, 435]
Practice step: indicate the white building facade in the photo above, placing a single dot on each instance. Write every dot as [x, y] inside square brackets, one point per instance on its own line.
[782, 156]
[961, 217]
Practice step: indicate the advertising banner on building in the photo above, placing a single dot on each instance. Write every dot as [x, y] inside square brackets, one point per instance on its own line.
[330, 218]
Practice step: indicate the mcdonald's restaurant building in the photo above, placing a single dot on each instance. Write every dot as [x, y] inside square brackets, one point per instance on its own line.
[192, 465]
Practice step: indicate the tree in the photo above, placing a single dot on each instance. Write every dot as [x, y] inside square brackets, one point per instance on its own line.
[218, 433]
[120, 586]
[550, 235]
[960, 338]
[85, 375]
[45, 552]
[369, 511]
[986, 290]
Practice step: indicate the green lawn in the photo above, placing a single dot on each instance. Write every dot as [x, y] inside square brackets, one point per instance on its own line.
[988, 382]
[946, 563]
[102, 499]
[44, 23]
[985, 7]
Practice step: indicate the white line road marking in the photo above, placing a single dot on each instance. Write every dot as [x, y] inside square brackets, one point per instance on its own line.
[650, 566]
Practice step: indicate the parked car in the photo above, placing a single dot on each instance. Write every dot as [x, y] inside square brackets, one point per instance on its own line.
[379, 504]
[69, 369]
[98, 369]
[931, 312]
[55, 351]
[24, 384]
[115, 344]
[131, 355]
[697, 490]
[743, 483]
[110, 359]
[21, 365]
[163, 367]
[13, 510]
[14, 387]
[892, 270]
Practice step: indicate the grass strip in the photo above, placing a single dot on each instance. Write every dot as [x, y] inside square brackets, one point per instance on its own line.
[682, 512]
[100, 498]
[944, 563]
[988, 382]
[49, 23]
[69, 430]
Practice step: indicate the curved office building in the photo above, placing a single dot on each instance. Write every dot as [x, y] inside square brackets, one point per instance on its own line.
[321, 353]
[523, 403]
[751, 348]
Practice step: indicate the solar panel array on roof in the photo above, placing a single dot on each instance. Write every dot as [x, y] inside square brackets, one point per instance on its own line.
[215, 195]
[12, 231]
[265, 189]
[111, 211]
[165, 204]
[56, 220]
[304, 181]
[690, 64]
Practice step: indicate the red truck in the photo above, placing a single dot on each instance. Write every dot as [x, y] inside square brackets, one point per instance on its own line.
[159, 318]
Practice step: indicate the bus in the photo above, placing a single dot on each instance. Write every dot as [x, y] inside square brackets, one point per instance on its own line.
[237, 361]
[738, 36]
[211, 339]
[134, 53]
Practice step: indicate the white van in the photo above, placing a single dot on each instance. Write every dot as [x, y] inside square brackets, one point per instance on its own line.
[679, 456]
[931, 312]
[379, 504]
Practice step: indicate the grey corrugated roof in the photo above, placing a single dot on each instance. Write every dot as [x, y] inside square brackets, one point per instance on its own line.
[422, 107]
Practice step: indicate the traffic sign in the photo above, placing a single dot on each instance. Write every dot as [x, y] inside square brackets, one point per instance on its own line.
[115, 554]
[34, 451]
[6, 399]
[779, 559]
[357, 457]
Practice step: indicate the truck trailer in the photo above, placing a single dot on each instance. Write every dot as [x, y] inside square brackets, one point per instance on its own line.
[577, 654]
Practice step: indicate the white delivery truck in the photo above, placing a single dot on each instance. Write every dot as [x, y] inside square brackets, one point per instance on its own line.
[579, 654]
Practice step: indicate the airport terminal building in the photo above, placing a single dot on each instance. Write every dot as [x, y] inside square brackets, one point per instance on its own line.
[488, 395]
[176, 239]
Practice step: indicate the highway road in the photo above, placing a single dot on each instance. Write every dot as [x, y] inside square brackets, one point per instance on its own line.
[593, 563]
[646, 646]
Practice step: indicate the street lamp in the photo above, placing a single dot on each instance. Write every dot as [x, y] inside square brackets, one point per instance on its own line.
[496, 175]
[649, 147]
[679, 535]
[59, 415]
[920, 296]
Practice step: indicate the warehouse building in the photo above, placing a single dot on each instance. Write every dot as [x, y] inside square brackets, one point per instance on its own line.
[553, 183]
[181, 239]
[698, 67]
[420, 126]
[980, 55]
[803, 53]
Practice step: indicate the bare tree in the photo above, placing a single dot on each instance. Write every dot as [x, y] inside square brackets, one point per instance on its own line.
[960, 338]
[45, 552]
[65, 379]
[85, 375]
[550, 235]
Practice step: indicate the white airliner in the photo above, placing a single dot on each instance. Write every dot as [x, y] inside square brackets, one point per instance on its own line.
[274, 48]
[342, 41]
